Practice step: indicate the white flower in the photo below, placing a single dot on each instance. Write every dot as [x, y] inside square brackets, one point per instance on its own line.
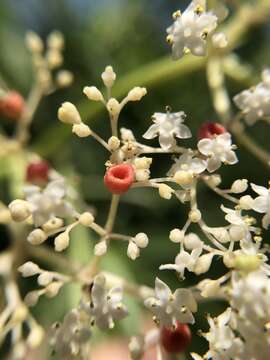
[255, 102]
[218, 150]
[168, 126]
[240, 228]
[70, 337]
[186, 162]
[184, 260]
[223, 343]
[106, 306]
[190, 30]
[170, 307]
[261, 203]
[48, 203]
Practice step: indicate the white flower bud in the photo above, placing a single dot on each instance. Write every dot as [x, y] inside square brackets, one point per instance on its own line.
[69, 114]
[34, 42]
[86, 219]
[133, 251]
[113, 143]
[194, 215]
[165, 191]
[192, 241]
[203, 264]
[64, 78]
[209, 288]
[127, 134]
[29, 269]
[93, 93]
[108, 76]
[136, 347]
[55, 40]
[219, 40]
[214, 180]
[177, 235]
[61, 242]
[183, 177]
[52, 224]
[136, 93]
[20, 210]
[81, 130]
[237, 232]
[246, 202]
[31, 298]
[45, 278]
[5, 216]
[220, 234]
[141, 240]
[113, 107]
[20, 314]
[142, 174]
[142, 163]
[54, 59]
[228, 259]
[37, 237]
[53, 289]
[35, 337]
[100, 248]
[239, 186]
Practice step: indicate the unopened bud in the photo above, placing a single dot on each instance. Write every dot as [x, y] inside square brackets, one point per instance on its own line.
[108, 76]
[64, 78]
[35, 336]
[29, 269]
[61, 242]
[52, 224]
[34, 42]
[113, 107]
[219, 40]
[165, 191]
[113, 143]
[246, 202]
[86, 219]
[136, 93]
[177, 235]
[69, 114]
[239, 186]
[81, 130]
[100, 248]
[203, 264]
[195, 215]
[37, 237]
[55, 40]
[183, 177]
[133, 251]
[141, 240]
[19, 210]
[93, 93]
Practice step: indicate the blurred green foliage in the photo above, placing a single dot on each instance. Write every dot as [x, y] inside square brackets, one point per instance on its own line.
[128, 35]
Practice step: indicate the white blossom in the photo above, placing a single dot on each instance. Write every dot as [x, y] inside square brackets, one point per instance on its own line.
[167, 126]
[218, 150]
[106, 306]
[48, 203]
[170, 307]
[190, 30]
[255, 102]
[261, 203]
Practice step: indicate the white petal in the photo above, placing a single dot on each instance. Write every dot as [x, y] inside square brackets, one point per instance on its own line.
[260, 190]
[162, 291]
[205, 146]
[152, 132]
[260, 204]
[183, 132]
[213, 164]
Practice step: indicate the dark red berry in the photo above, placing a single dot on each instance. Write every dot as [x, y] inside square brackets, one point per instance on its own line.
[38, 172]
[119, 178]
[210, 129]
[175, 340]
[12, 105]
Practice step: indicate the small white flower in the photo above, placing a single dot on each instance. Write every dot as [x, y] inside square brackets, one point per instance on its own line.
[106, 306]
[48, 203]
[255, 102]
[261, 203]
[184, 260]
[218, 150]
[190, 30]
[167, 126]
[169, 307]
[239, 228]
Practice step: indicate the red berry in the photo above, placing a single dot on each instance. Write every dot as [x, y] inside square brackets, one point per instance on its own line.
[38, 172]
[175, 340]
[210, 129]
[119, 178]
[12, 105]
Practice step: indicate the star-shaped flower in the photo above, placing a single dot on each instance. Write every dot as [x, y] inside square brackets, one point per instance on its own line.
[167, 126]
[261, 203]
[187, 162]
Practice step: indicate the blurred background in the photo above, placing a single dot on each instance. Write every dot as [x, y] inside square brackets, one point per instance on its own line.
[130, 36]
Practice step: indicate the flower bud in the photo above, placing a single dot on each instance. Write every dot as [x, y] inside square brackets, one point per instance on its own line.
[31, 298]
[136, 347]
[61, 242]
[29, 269]
[54, 59]
[34, 42]
[113, 107]
[81, 130]
[142, 163]
[203, 264]
[127, 134]
[93, 93]
[247, 263]
[195, 215]
[183, 177]
[165, 191]
[214, 180]
[141, 240]
[55, 40]
[209, 288]
[5, 216]
[142, 174]
[136, 93]
[64, 78]
[45, 278]
[239, 186]
[192, 241]
[108, 76]
[113, 143]
[35, 336]
[86, 219]
[228, 259]
[19, 210]
[219, 40]
[177, 235]
[237, 232]
[69, 114]
[37, 237]
[246, 202]
[53, 289]
[52, 224]
[133, 251]
[100, 248]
